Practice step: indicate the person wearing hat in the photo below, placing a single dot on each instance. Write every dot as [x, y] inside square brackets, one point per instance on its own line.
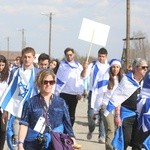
[123, 101]
[115, 75]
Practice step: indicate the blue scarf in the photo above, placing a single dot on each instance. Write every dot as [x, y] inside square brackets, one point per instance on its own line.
[118, 141]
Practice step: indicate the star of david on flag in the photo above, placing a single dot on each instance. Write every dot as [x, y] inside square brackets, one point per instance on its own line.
[22, 89]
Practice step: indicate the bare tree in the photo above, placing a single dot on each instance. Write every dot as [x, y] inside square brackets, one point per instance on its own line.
[140, 46]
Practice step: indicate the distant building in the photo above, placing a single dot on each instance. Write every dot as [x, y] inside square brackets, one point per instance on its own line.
[11, 55]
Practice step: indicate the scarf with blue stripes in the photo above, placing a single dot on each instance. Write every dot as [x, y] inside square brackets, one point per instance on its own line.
[18, 91]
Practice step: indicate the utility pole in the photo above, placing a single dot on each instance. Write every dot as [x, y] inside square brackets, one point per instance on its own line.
[23, 40]
[23, 43]
[127, 50]
[50, 29]
[7, 47]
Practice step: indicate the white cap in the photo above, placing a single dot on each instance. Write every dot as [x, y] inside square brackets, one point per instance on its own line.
[115, 62]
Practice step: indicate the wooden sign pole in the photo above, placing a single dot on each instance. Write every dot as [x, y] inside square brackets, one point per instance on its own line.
[91, 43]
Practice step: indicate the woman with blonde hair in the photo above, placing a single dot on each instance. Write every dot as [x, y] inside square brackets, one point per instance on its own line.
[40, 112]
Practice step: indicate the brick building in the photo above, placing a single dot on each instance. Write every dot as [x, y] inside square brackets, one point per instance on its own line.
[11, 55]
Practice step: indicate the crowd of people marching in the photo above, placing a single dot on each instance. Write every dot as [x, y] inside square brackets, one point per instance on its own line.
[35, 97]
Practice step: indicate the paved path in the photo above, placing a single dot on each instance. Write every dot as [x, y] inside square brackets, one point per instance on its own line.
[81, 129]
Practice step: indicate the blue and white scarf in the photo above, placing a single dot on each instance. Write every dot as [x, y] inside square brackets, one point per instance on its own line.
[143, 105]
[98, 91]
[63, 73]
[19, 90]
[125, 89]
[99, 77]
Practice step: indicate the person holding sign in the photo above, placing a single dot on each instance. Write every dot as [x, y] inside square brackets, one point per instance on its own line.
[96, 71]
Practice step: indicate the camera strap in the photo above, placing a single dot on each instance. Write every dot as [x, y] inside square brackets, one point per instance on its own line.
[45, 108]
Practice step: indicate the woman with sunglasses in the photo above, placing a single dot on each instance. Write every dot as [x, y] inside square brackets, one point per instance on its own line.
[41, 112]
[124, 102]
[4, 73]
[143, 109]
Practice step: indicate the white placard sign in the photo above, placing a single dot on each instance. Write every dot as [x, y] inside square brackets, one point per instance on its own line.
[94, 32]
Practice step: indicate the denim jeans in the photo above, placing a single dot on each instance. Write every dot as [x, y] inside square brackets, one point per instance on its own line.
[91, 119]
[16, 132]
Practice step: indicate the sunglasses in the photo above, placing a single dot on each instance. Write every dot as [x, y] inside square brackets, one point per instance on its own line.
[51, 82]
[144, 67]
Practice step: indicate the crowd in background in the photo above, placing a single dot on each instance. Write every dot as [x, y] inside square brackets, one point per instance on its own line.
[35, 96]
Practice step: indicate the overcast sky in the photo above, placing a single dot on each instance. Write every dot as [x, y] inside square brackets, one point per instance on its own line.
[66, 23]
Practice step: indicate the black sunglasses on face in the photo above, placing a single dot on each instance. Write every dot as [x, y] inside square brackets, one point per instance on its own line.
[51, 82]
[143, 67]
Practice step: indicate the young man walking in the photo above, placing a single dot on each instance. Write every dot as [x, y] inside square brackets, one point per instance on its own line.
[96, 71]
[21, 88]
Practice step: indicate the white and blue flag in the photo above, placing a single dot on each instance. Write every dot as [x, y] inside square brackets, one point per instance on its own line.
[143, 105]
[125, 89]
[68, 78]
[20, 89]
[98, 91]
[98, 74]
